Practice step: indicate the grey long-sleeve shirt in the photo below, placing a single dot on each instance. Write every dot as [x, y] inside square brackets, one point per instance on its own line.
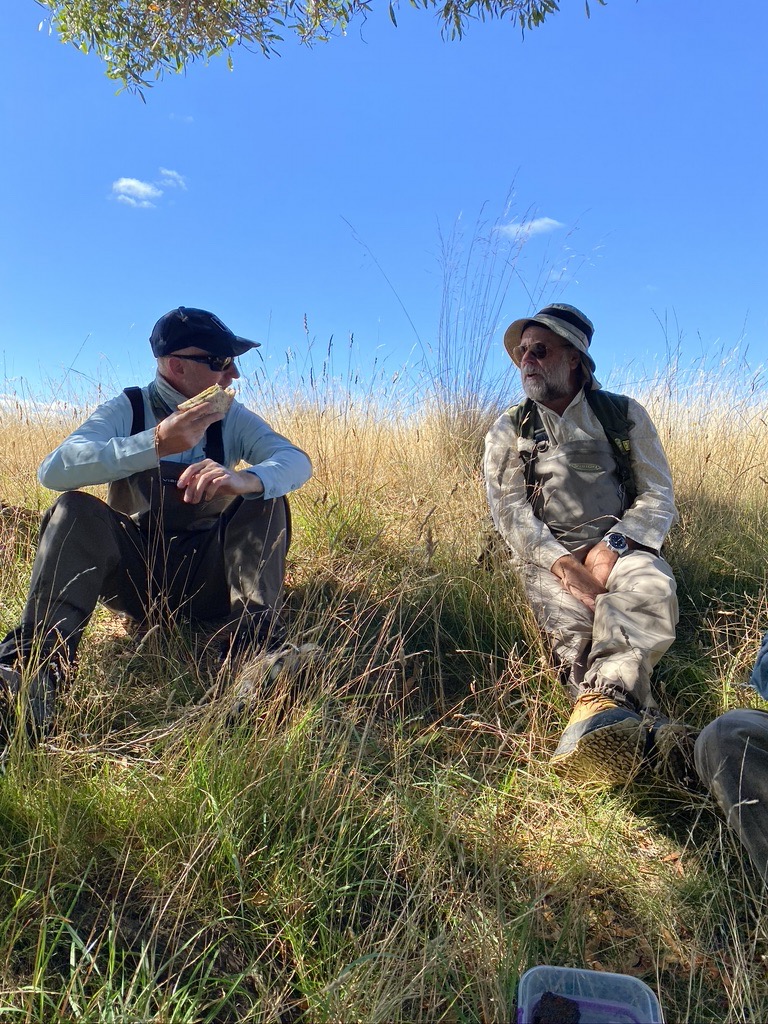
[102, 449]
[647, 521]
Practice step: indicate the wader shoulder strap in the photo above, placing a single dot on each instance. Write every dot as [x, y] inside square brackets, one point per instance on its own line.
[214, 439]
[527, 423]
[214, 443]
[136, 398]
[613, 413]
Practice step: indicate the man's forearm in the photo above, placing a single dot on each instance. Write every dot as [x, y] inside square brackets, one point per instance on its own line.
[288, 470]
[83, 463]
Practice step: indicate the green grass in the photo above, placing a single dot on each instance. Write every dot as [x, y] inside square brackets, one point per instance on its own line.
[382, 840]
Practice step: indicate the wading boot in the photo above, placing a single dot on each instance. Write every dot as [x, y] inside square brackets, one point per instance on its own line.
[604, 742]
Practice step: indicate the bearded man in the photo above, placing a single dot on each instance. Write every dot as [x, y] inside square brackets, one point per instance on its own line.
[580, 490]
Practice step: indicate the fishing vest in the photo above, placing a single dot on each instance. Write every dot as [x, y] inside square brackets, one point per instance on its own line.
[580, 489]
[151, 497]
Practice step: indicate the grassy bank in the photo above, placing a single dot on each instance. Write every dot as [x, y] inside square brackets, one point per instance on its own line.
[383, 841]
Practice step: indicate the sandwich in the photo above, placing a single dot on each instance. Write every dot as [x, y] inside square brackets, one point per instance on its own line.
[218, 397]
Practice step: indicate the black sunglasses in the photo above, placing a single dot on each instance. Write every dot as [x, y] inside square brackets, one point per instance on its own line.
[539, 350]
[216, 363]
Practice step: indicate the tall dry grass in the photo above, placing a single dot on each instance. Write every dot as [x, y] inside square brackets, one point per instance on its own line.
[383, 840]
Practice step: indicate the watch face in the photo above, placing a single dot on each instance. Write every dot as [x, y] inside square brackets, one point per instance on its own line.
[616, 542]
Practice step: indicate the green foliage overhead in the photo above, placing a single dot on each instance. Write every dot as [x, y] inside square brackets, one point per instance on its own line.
[140, 40]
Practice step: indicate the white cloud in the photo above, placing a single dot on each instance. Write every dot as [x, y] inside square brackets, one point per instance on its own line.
[172, 179]
[136, 193]
[28, 406]
[143, 195]
[142, 204]
[556, 275]
[528, 228]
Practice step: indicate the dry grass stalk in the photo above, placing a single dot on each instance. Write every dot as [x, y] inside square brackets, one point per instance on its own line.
[381, 840]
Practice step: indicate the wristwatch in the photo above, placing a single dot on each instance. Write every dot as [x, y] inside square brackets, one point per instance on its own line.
[617, 543]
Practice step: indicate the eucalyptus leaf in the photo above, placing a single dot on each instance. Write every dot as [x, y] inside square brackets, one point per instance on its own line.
[140, 41]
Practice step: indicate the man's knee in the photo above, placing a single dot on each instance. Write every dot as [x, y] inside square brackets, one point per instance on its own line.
[80, 532]
[644, 573]
[264, 521]
[75, 507]
[724, 741]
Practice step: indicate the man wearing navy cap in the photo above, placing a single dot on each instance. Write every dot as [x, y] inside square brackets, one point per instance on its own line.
[580, 490]
[183, 532]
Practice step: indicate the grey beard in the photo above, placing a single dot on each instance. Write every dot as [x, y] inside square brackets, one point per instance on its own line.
[557, 384]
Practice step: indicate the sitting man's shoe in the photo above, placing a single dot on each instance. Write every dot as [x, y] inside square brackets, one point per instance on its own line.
[604, 742]
[291, 661]
[40, 709]
[669, 752]
[43, 689]
[10, 684]
[10, 681]
[287, 662]
[265, 633]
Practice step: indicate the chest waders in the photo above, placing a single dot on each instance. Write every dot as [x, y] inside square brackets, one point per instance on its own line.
[151, 497]
[182, 538]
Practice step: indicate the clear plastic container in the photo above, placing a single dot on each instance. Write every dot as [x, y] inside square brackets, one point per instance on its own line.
[602, 998]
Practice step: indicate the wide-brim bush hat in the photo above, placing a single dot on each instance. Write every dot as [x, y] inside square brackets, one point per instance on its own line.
[566, 321]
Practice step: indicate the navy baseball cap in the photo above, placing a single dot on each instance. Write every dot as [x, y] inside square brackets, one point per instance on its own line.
[186, 326]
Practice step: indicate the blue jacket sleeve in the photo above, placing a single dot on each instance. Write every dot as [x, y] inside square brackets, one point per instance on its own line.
[100, 450]
[279, 464]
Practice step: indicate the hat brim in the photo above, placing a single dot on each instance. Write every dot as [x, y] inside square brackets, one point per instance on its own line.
[241, 345]
[512, 336]
[514, 333]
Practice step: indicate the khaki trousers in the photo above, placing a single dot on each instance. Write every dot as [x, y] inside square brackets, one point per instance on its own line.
[613, 650]
[732, 759]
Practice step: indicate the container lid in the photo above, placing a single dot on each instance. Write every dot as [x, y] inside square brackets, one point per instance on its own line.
[587, 997]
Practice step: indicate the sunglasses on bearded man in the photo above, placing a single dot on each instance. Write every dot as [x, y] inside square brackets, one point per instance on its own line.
[539, 350]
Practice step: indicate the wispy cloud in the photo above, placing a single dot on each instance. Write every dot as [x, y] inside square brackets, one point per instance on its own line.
[134, 192]
[22, 405]
[143, 195]
[172, 179]
[528, 228]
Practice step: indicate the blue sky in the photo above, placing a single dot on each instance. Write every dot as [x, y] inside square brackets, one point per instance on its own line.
[317, 184]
